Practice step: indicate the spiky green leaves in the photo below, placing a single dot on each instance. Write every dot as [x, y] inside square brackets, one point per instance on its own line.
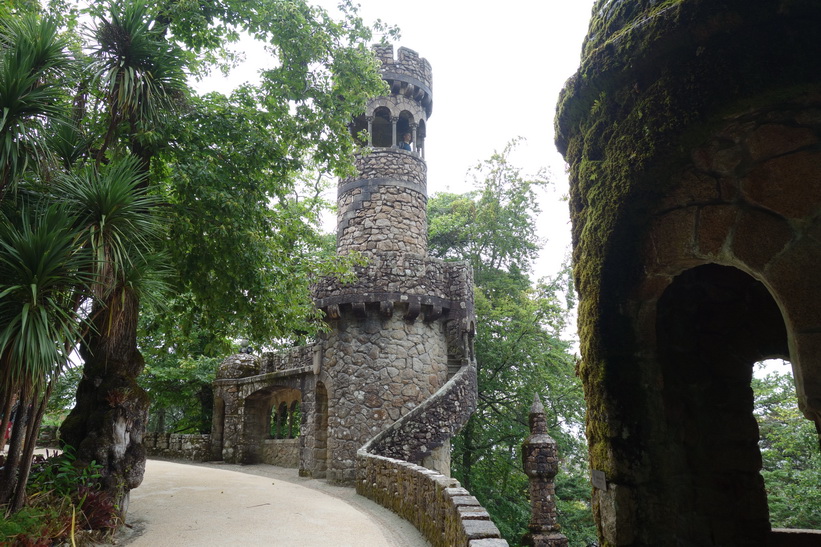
[33, 59]
[43, 275]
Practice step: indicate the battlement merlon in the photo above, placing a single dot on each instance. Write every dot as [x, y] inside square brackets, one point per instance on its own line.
[407, 74]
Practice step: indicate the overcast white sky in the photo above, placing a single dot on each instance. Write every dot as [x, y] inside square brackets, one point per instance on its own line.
[498, 68]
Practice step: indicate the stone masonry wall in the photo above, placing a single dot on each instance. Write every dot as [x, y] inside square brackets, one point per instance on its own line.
[391, 277]
[389, 163]
[445, 513]
[382, 368]
[290, 359]
[384, 208]
[281, 452]
[193, 447]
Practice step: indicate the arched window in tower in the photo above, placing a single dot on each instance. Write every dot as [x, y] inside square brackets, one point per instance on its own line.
[405, 128]
[421, 132]
[382, 128]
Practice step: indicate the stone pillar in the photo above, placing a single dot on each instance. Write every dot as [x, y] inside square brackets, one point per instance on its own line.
[394, 121]
[541, 463]
[413, 138]
[370, 131]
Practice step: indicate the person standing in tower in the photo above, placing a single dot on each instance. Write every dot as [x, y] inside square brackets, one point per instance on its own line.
[406, 142]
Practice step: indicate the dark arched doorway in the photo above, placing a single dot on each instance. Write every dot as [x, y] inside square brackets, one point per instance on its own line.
[714, 322]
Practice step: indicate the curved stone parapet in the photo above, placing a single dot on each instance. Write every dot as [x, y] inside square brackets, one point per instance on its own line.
[427, 285]
[437, 505]
[407, 74]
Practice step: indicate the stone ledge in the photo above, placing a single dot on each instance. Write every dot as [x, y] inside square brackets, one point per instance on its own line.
[266, 377]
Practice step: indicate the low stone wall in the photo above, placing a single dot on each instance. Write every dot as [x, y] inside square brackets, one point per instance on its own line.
[445, 513]
[191, 447]
[281, 452]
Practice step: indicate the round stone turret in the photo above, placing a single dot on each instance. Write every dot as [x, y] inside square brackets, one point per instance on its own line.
[382, 208]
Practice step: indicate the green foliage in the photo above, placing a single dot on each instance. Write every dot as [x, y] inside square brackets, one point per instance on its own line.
[42, 271]
[33, 63]
[518, 346]
[62, 475]
[64, 501]
[101, 124]
[181, 393]
[790, 454]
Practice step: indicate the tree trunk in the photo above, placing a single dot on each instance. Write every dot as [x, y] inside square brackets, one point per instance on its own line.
[11, 468]
[108, 421]
[35, 417]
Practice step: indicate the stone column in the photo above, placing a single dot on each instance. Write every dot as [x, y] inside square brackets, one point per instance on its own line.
[370, 131]
[541, 463]
[394, 120]
[413, 137]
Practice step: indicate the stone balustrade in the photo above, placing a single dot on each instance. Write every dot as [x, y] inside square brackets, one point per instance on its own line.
[445, 513]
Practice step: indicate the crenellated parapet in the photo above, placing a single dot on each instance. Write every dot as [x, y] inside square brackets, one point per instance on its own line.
[407, 74]
[432, 287]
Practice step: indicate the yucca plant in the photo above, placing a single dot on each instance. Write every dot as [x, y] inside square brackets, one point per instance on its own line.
[139, 72]
[120, 226]
[44, 273]
[33, 62]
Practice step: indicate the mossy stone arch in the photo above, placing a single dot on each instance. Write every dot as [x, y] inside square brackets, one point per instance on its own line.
[713, 324]
[691, 131]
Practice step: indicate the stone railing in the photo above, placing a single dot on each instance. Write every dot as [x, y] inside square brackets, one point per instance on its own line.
[445, 513]
[414, 436]
[191, 447]
[288, 359]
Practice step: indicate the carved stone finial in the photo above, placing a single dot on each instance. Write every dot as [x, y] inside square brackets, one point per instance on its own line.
[537, 420]
[540, 461]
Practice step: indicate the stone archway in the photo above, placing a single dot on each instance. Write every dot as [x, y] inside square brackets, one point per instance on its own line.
[258, 408]
[713, 324]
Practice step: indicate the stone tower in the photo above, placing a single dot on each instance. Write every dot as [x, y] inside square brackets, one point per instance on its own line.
[397, 361]
[693, 134]
[402, 328]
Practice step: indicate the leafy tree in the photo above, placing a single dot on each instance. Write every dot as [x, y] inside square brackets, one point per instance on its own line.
[790, 455]
[519, 349]
[109, 113]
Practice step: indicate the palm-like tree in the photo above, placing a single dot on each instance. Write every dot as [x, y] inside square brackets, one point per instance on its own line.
[44, 274]
[141, 75]
[108, 220]
[119, 229]
[33, 63]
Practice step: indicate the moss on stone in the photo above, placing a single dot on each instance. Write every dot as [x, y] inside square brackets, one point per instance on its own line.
[655, 79]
